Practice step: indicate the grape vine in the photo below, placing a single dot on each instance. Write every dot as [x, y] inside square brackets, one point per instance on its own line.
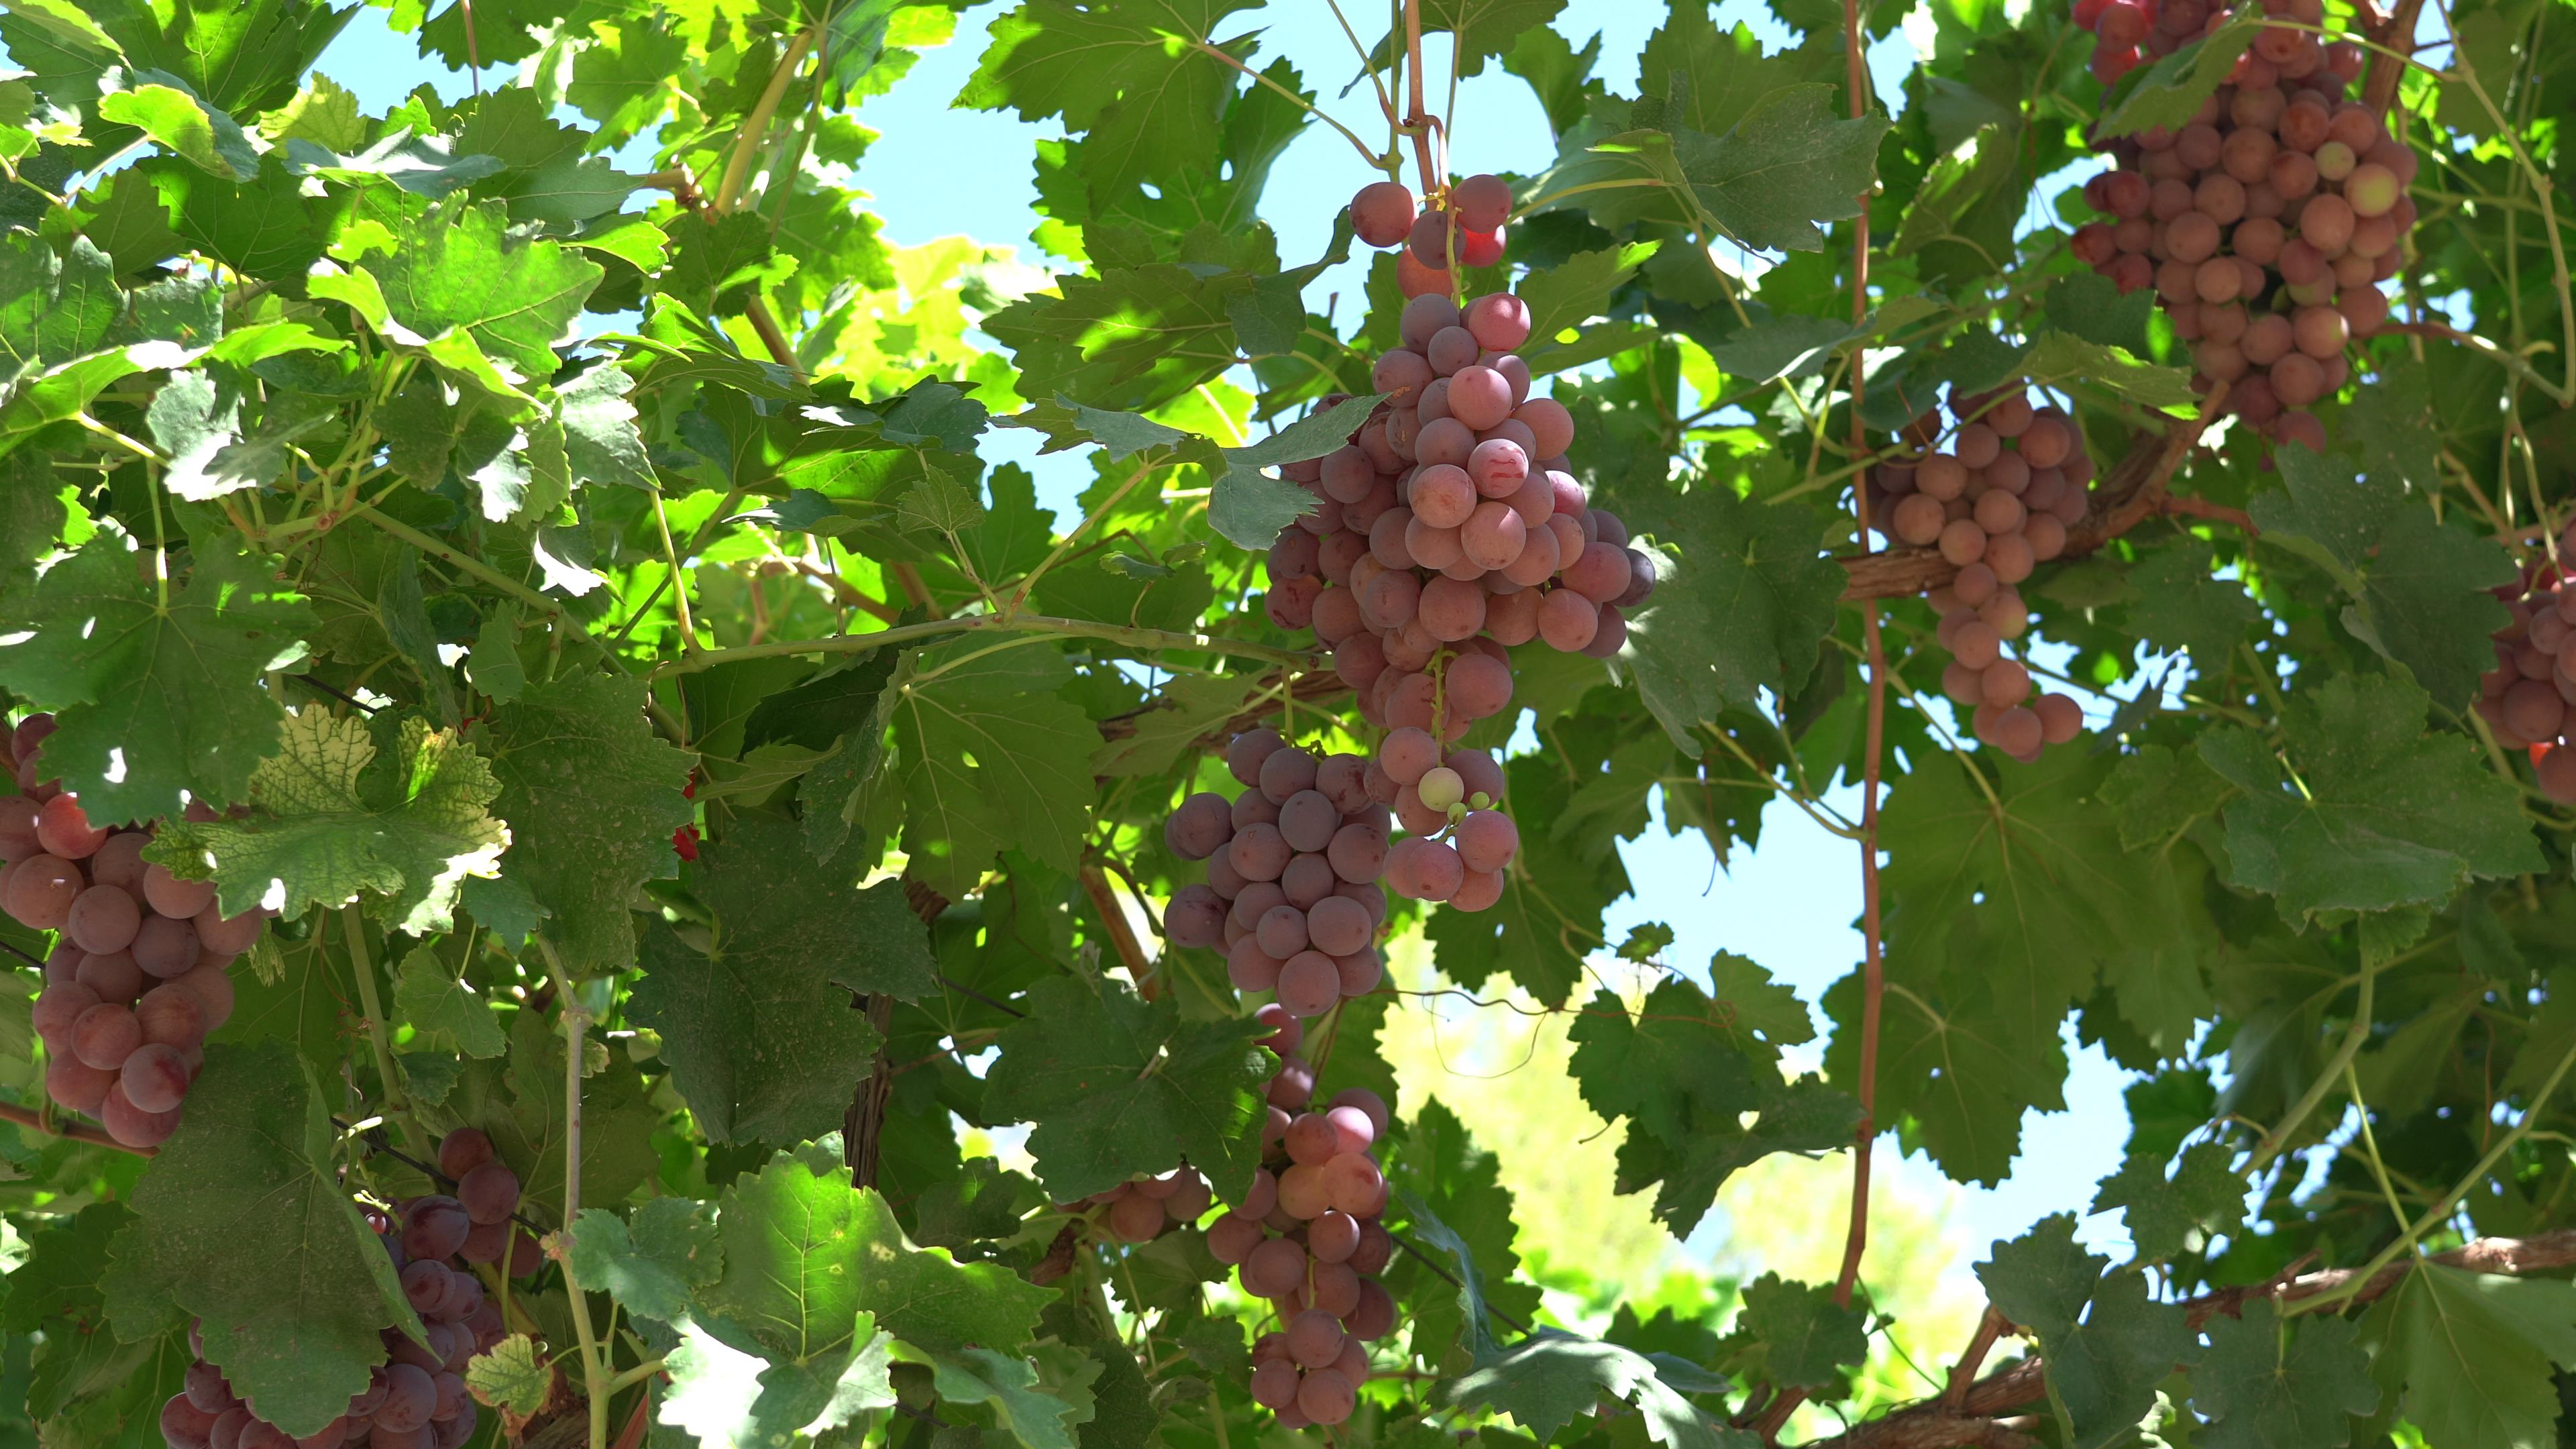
[643, 814]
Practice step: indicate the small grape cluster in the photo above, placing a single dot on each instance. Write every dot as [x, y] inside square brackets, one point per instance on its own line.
[417, 1398]
[2529, 698]
[2266, 224]
[1465, 231]
[137, 976]
[1292, 869]
[1458, 844]
[1138, 1211]
[1305, 1236]
[1995, 494]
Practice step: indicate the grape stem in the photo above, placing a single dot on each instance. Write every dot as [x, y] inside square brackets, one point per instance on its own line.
[1417, 119]
[69, 1131]
[353, 930]
[594, 1362]
[1122, 932]
[985, 623]
[2326, 1080]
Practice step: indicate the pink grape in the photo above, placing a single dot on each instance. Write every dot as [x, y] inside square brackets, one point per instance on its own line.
[1309, 984]
[155, 1078]
[1424, 870]
[1500, 321]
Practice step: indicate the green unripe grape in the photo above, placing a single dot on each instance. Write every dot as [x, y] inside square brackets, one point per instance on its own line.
[1441, 788]
[2335, 160]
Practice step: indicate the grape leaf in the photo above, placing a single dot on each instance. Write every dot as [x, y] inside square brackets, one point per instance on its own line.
[2157, 793]
[447, 1013]
[2470, 1353]
[1577, 289]
[511, 1375]
[993, 756]
[1481, 30]
[652, 1263]
[2107, 1345]
[2182, 605]
[1021, 1400]
[1130, 76]
[1131, 339]
[1787, 163]
[1806, 1338]
[2380, 814]
[1757, 1014]
[2419, 587]
[1686, 1089]
[2061, 358]
[243, 1223]
[804, 1258]
[804, 1253]
[459, 271]
[331, 821]
[1454, 1199]
[2261, 1387]
[1118, 1085]
[2170, 91]
[518, 1101]
[152, 699]
[1548, 1379]
[1186, 707]
[167, 110]
[591, 796]
[1956, 1069]
[1748, 604]
[2204, 1190]
[759, 1030]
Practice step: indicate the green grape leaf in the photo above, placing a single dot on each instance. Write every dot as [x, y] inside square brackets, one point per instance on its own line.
[152, 699]
[331, 821]
[2380, 814]
[993, 758]
[59, 1281]
[518, 1101]
[1118, 1085]
[726, 1399]
[1130, 339]
[2263, 1387]
[2203, 1192]
[2419, 587]
[2107, 1345]
[1577, 289]
[1454, 1200]
[601, 443]
[1757, 1014]
[1186, 707]
[2182, 605]
[2058, 359]
[1787, 163]
[591, 796]
[1548, 1379]
[2170, 91]
[448, 1014]
[459, 271]
[1032, 1411]
[804, 1253]
[243, 1224]
[167, 110]
[1807, 1339]
[2466, 1356]
[1957, 1069]
[511, 1375]
[1130, 77]
[759, 1030]
[2157, 793]
[652, 1263]
[1743, 611]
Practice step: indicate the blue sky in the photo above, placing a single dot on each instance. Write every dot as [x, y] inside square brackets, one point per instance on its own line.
[1791, 905]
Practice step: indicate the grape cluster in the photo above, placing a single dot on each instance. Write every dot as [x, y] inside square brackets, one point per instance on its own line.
[1465, 231]
[2264, 225]
[137, 975]
[2529, 698]
[1305, 1236]
[417, 1398]
[1139, 1211]
[1995, 494]
[1292, 869]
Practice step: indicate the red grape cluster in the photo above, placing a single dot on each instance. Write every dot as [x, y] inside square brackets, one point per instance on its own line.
[1139, 1211]
[2529, 699]
[1292, 870]
[1466, 231]
[417, 1398]
[1305, 1236]
[1995, 495]
[137, 974]
[2266, 224]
